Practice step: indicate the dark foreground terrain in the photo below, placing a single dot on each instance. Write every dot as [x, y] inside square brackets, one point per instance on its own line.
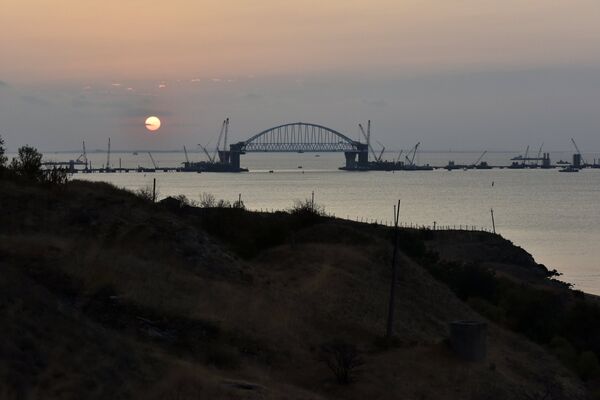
[105, 295]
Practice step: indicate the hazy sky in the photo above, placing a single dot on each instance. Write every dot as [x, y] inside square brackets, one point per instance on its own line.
[460, 74]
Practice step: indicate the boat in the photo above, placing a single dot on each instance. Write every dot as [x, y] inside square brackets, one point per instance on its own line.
[569, 168]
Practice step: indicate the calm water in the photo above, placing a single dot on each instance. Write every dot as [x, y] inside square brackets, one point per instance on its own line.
[554, 216]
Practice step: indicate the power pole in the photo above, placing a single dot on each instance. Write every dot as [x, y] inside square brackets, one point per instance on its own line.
[154, 190]
[493, 222]
[108, 156]
[391, 306]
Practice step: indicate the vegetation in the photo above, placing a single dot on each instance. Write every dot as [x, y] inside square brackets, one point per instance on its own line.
[342, 359]
[104, 295]
[562, 320]
[28, 164]
[3, 158]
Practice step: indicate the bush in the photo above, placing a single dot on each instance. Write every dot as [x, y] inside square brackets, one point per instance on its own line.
[208, 200]
[56, 176]
[146, 193]
[343, 359]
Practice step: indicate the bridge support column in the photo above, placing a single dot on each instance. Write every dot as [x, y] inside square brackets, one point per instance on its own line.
[350, 159]
[235, 151]
[363, 155]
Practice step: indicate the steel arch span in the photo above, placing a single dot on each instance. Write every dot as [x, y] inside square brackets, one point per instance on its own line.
[300, 137]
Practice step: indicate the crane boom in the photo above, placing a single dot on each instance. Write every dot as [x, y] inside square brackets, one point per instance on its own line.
[152, 159]
[480, 157]
[575, 144]
[367, 137]
[187, 159]
[226, 131]
[210, 159]
[214, 157]
[382, 151]
[411, 161]
[83, 157]
[399, 155]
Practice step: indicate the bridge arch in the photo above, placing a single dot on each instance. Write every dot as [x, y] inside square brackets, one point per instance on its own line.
[300, 137]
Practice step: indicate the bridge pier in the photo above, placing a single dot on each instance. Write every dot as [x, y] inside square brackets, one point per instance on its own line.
[234, 153]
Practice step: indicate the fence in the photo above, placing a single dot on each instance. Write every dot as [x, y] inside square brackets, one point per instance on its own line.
[407, 225]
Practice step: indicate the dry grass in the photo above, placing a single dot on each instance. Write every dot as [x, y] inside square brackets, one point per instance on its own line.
[81, 265]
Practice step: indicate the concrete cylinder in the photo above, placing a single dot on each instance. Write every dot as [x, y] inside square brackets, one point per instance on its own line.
[468, 339]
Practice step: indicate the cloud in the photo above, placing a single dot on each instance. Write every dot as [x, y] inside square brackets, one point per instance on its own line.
[4, 84]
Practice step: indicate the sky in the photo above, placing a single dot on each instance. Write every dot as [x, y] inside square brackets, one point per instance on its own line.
[454, 74]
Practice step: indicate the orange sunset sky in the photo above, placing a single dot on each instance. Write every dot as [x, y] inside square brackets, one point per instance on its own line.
[84, 68]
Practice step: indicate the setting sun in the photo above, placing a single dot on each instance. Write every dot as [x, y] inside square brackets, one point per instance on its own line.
[152, 123]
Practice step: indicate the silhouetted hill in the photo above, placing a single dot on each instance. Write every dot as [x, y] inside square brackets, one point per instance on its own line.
[104, 295]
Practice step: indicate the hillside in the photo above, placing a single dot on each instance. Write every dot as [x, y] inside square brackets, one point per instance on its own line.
[105, 295]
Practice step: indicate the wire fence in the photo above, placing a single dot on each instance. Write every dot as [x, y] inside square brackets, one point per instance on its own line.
[407, 225]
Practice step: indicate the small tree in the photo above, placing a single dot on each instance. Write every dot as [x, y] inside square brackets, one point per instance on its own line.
[3, 158]
[28, 163]
[343, 359]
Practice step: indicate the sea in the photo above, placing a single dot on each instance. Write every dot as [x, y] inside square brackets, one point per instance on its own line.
[554, 216]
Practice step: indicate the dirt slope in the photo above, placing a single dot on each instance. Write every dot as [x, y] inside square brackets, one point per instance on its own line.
[104, 295]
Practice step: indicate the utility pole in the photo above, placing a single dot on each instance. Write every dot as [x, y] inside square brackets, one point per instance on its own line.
[154, 190]
[391, 306]
[493, 222]
[312, 201]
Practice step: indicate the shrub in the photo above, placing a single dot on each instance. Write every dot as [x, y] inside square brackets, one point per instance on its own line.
[146, 193]
[185, 202]
[343, 359]
[56, 176]
[208, 200]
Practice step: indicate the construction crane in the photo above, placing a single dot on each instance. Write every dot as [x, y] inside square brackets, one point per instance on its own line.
[226, 131]
[399, 155]
[223, 129]
[411, 160]
[479, 159]
[382, 151]
[575, 145]
[187, 159]
[108, 156]
[204, 148]
[83, 157]
[539, 154]
[367, 136]
[578, 151]
[153, 162]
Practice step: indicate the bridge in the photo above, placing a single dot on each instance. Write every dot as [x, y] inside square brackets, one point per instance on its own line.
[298, 137]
